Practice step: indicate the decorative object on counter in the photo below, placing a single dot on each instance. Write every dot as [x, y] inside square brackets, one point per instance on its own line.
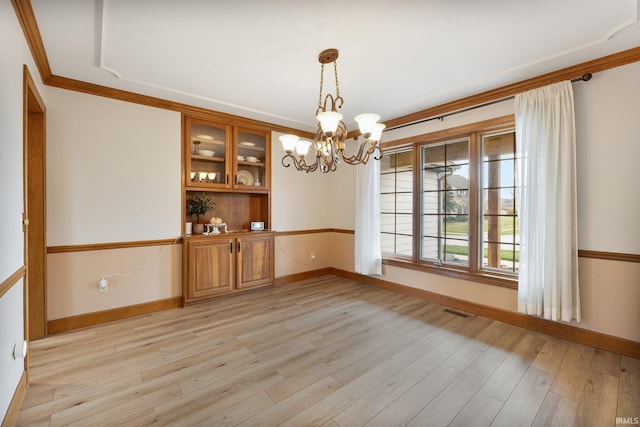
[212, 229]
[199, 204]
[257, 226]
[329, 139]
[215, 220]
[188, 227]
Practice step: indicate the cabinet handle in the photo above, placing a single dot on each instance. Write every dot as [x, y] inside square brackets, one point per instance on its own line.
[231, 247]
[235, 179]
[226, 180]
[238, 247]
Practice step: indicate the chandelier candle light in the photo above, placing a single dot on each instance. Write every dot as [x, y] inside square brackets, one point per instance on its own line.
[329, 139]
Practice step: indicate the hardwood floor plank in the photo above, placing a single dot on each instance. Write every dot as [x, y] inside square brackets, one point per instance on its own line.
[444, 408]
[323, 351]
[102, 411]
[237, 413]
[367, 407]
[410, 403]
[220, 400]
[327, 408]
[556, 410]
[479, 412]
[287, 408]
[629, 391]
[599, 400]
[573, 371]
[606, 362]
[523, 404]
[502, 382]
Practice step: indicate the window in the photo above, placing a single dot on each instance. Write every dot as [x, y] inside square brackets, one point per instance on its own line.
[396, 203]
[454, 213]
[445, 201]
[499, 217]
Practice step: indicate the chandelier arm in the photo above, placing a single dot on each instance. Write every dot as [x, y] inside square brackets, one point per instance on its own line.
[381, 153]
[357, 158]
[290, 157]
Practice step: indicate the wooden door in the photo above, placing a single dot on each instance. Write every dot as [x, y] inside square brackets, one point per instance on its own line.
[255, 260]
[211, 268]
[34, 214]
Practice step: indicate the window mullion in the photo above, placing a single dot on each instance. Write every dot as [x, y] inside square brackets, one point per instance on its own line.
[474, 202]
[417, 202]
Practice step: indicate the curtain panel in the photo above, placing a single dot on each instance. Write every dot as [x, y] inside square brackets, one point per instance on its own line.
[367, 252]
[546, 200]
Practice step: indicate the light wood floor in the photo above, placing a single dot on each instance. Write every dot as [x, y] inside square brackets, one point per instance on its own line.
[326, 351]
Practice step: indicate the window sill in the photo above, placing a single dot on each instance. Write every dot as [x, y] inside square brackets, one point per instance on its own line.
[444, 270]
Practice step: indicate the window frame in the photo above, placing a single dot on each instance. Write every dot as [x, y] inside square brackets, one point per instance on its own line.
[474, 271]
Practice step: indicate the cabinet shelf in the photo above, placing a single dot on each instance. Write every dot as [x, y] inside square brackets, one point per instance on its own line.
[207, 158]
[246, 163]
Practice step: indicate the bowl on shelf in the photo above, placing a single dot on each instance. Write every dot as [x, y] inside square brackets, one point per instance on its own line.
[252, 159]
[241, 158]
[206, 153]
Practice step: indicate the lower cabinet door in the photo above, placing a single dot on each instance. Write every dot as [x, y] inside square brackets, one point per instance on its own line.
[255, 261]
[211, 268]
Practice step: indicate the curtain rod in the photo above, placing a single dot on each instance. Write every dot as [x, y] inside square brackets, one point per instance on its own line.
[584, 78]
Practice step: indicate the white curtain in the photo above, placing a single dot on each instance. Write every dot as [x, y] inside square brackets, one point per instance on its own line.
[367, 254]
[546, 175]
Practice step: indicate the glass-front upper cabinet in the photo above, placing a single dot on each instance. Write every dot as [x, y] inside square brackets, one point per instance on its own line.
[208, 157]
[251, 158]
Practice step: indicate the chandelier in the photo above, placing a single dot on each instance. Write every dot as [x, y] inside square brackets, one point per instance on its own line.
[329, 139]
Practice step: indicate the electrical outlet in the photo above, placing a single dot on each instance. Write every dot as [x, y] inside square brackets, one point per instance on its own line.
[103, 285]
[313, 255]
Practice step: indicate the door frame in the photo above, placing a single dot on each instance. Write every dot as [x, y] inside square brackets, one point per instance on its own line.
[34, 216]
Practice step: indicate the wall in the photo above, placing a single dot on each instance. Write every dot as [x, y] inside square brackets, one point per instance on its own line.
[13, 54]
[311, 201]
[608, 139]
[607, 129]
[299, 201]
[113, 175]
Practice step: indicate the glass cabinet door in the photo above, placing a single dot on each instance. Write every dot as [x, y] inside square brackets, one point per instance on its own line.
[251, 149]
[208, 155]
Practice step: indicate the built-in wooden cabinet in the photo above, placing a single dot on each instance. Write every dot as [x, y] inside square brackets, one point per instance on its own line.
[210, 268]
[226, 263]
[229, 163]
[224, 157]
[254, 256]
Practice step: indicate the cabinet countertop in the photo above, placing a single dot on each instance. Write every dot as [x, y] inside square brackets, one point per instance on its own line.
[231, 234]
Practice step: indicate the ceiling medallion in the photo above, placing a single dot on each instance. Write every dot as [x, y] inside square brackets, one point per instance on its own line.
[329, 139]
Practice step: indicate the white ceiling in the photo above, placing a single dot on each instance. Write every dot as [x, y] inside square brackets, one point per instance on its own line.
[258, 58]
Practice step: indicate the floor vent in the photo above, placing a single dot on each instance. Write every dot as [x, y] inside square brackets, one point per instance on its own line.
[457, 313]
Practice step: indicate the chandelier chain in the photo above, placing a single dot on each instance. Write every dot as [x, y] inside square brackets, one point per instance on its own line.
[321, 84]
[335, 70]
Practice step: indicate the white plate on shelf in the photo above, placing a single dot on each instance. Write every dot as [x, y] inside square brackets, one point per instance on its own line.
[245, 177]
[248, 143]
